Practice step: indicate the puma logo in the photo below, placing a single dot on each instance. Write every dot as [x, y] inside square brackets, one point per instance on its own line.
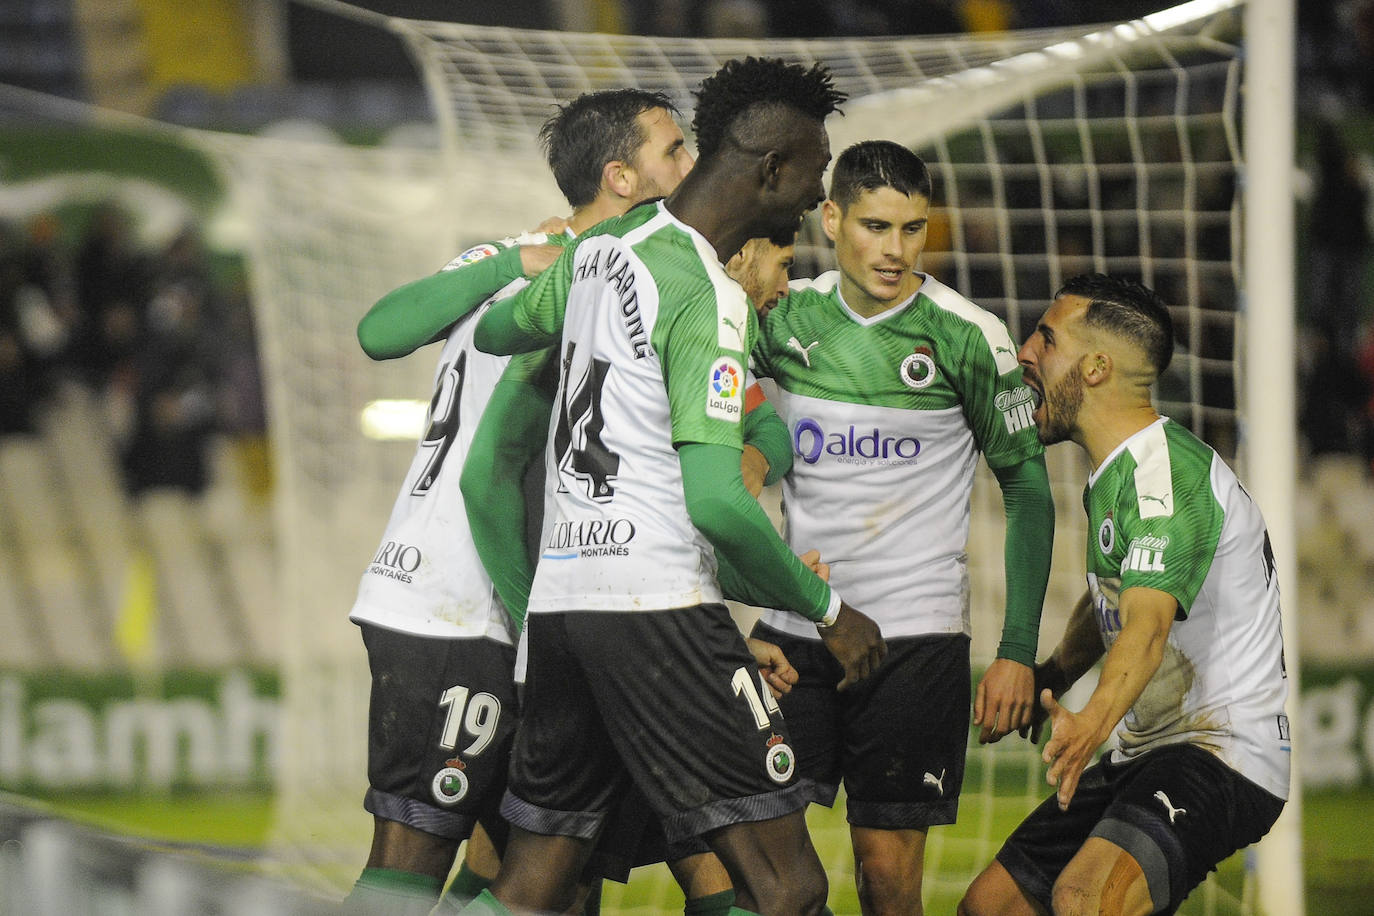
[938, 782]
[1006, 350]
[1158, 499]
[1169, 806]
[739, 332]
[804, 351]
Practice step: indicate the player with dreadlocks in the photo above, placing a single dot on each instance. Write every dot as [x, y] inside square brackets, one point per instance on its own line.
[636, 669]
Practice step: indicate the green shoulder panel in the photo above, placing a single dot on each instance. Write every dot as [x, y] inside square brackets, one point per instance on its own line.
[701, 335]
[1156, 519]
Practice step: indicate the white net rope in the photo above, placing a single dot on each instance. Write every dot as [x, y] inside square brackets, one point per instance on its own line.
[1109, 148]
[329, 229]
[1103, 148]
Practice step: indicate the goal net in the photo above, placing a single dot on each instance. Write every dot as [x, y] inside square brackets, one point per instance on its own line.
[1104, 148]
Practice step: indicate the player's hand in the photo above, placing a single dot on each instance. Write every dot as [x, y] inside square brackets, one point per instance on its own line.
[1073, 739]
[812, 561]
[753, 468]
[777, 671]
[554, 225]
[534, 258]
[1004, 700]
[857, 644]
[1047, 676]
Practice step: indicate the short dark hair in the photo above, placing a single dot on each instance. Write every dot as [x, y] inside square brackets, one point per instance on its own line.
[1128, 309]
[875, 164]
[742, 86]
[593, 129]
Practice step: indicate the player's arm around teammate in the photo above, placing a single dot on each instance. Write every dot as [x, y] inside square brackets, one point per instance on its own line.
[422, 311]
[513, 430]
[675, 402]
[720, 506]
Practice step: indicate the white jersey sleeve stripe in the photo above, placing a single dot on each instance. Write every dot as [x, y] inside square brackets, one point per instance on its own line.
[1154, 480]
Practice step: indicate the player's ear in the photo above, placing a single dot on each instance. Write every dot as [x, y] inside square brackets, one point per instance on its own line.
[830, 218]
[1097, 367]
[734, 268]
[619, 177]
[770, 169]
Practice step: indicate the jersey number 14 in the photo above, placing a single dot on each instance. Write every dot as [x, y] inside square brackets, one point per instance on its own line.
[577, 444]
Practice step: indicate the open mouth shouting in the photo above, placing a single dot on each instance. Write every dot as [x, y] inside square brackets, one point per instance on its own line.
[1037, 389]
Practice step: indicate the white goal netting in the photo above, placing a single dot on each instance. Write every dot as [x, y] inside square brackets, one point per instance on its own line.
[1109, 148]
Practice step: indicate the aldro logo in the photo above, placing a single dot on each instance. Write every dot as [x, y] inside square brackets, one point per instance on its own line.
[780, 761]
[395, 560]
[810, 441]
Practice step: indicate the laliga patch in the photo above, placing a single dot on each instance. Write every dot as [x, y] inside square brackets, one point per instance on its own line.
[780, 762]
[450, 784]
[472, 255]
[918, 369]
[725, 390]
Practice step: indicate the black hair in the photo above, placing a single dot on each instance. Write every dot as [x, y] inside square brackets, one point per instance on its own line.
[875, 164]
[1128, 309]
[593, 129]
[743, 86]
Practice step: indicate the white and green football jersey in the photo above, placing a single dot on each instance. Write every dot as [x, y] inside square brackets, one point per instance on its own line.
[654, 336]
[1165, 512]
[426, 578]
[887, 416]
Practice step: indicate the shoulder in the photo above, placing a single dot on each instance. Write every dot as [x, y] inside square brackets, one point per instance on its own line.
[818, 287]
[683, 264]
[1172, 470]
[802, 301]
[985, 331]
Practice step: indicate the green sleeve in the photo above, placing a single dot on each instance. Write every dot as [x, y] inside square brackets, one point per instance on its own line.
[509, 438]
[735, 585]
[421, 312]
[531, 319]
[723, 511]
[765, 431]
[1030, 541]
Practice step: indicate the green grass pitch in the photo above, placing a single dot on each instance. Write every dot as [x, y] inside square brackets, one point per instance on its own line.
[1339, 860]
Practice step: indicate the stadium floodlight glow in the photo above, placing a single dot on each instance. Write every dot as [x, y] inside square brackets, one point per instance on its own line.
[393, 419]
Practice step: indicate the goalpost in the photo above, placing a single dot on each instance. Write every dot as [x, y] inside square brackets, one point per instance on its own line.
[1110, 148]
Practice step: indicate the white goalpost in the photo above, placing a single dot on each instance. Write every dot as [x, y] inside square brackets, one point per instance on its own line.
[1116, 147]
[1270, 443]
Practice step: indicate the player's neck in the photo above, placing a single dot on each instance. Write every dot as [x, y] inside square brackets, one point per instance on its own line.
[697, 202]
[599, 210]
[1101, 431]
[866, 306]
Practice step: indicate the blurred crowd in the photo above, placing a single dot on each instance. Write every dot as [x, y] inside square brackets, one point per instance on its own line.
[821, 18]
[156, 333]
[1336, 286]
